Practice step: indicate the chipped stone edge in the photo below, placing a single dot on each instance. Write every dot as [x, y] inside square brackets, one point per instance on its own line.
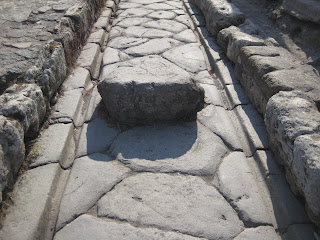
[221, 66]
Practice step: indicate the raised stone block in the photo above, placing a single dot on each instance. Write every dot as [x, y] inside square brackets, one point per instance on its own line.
[150, 89]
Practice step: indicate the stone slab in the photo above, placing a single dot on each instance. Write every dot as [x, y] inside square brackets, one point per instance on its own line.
[96, 136]
[211, 95]
[237, 184]
[168, 25]
[185, 204]
[170, 148]
[138, 31]
[224, 71]
[89, 227]
[261, 233]
[91, 177]
[307, 10]
[90, 58]
[79, 78]
[186, 36]
[97, 37]
[204, 77]
[149, 89]
[31, 194]
[236, 95]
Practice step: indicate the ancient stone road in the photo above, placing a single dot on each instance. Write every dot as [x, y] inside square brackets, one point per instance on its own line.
[186, 180]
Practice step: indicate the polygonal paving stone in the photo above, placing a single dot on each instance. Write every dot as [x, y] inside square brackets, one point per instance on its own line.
[90, 178]
[138, 31]
[185, 204]
[126, 42]
[128, 22]
[147, 1]
[186, 36]
[110, 56]
[149, 89]
[182, 19]
[164, 24]
[188, 148]
[162, 15]
[129, 5]
[261, 233]
[159, 6]
[153, 47]
[134, 12]
[237, 183]
[88, 227]
[188, 56]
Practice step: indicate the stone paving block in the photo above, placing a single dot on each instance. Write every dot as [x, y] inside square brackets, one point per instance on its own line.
[138, 31]
[96, 136]
[170, 148]
[159, 6]
[237, 184]
[126, 42]
[31, 194]
[111, 4]
[191, 8]
[162, 15]
[102, 22]
[153, 47]
[107, 12]
[129, 22]
[300, 231]
[182, 19]
[149, 89]
[90, 58]
[236, 95]
[250, 126]
[224, 71]
[110, 55]
[188, 56]
[68, 106]
[218, 121]
[287, 209]
[172, 202]
[261, 233]
[133, 12]
[212, 49]
[128, 5]
[89, 227]
[204, 77]
[91, 177]
[97, 37]
[92, 109]
[79, 78]
[186, 36]
[53, 144]
[168, 25]
[211, 95]
[266, 163]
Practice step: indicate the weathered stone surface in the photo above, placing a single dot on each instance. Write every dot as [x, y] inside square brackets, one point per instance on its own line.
[12, 150]
[24, 103]
[203, 77]
[289, 115]
[236, 95]
[262, 232]
[182, 19]
[211, 95]
[153, 47]
[97, 37]
[92, 109]
[134, 12]
[90, 178]
[96, 136]
[186, 36]
[126, 42]
[162, 15]
[168, 25]
[267, 163]
[110, 55]
[306, 169]
[237, 184]
[138, 31]
[159, 6]
[300, 231]
[307, 10]
[90, 58]
[89, 227]
[172, 202]
[170, 148]
[188, 56]
[31, 194]
[224, 71]
[150, 89]
[79, 78]
[52, 144]
[217, 120]
[129, 22]
[219, 14]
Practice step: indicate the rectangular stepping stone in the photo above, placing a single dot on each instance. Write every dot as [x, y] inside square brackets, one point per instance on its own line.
[150, 89]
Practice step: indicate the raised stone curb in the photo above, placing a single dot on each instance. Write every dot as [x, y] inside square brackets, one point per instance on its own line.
[264, 70]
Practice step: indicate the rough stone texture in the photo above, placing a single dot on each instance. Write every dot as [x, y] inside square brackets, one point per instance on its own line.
[96, 136]
[225, 71]
[307, 10]
[306, 169]
[189, 57]
[150, 89]
[172, 203]
[236, 95]
[300, 231]
[186, 36]
[168, 25]
[267, 163]
[24, 103]
[219, 14]
[90, 58]
[89, 227]
[11, 151]
[79, 78]
[237, 184]
[266, 70]
[30, 201]
[211, 95]
[261, 233]
[52, 144]
[170, 148]
[91, 177]
[217, 120]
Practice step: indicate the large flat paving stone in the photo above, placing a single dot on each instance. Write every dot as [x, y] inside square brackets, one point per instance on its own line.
[261, 233]
[90, 178]
[189, 57]
[188, 148]
[165, 24]
[88, 227]
[149, 89]
[237, 183]
[186, 204]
